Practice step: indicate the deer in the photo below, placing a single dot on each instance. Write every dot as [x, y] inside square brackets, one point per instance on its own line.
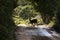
[33, 22]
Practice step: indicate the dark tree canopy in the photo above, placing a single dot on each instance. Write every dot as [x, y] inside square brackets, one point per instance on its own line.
[6, 22]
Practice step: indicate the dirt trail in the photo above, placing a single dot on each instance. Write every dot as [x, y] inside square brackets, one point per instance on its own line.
[29, 33]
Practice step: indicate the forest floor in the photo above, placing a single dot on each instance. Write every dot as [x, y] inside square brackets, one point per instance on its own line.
[35, 33]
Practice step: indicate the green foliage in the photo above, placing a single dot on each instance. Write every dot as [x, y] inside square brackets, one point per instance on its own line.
[46, 7]
[50, 11]
[23, 12]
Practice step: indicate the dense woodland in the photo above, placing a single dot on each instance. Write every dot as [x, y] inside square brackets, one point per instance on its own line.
[14, 12]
